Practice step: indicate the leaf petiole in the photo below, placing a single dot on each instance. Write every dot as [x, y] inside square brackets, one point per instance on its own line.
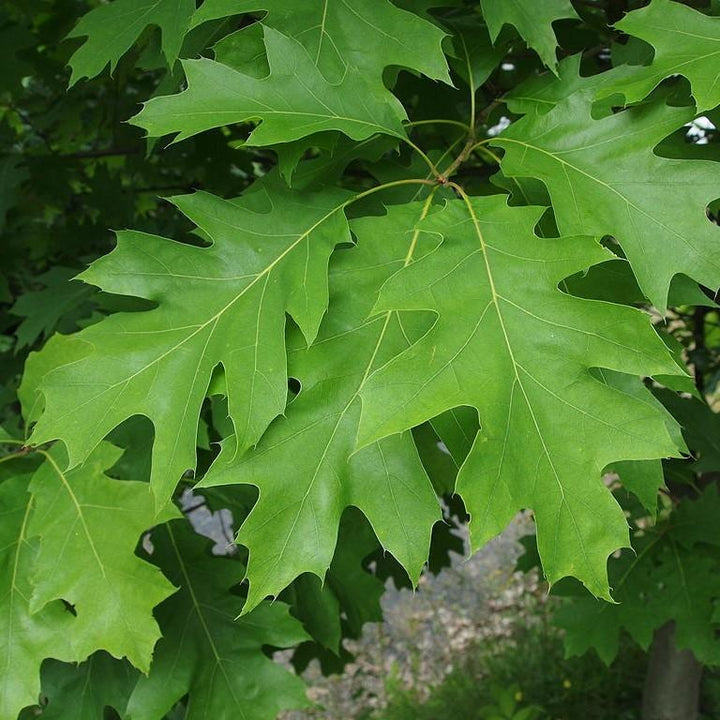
[480, 147]
[385, 186]
[421, 153]
[439, 121]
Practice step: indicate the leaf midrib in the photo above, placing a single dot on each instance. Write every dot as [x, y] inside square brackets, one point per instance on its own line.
[13, 586]
[494, 300]
[201, 617]
[356, 393]
[213, 319]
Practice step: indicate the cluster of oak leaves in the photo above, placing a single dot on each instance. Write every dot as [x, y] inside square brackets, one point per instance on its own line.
[413, 300]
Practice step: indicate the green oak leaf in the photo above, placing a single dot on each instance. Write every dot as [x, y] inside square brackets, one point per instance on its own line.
[349, 597]
[26, 637]
[89, 526]
[701, 429]
[45, 310]
[477, 55]
[56, 352]
[614, 281]
[508, 342]
[218, 305]
[643, 478]
[591, 623]
[244, 51]
[362, 37]
[533, 20]
[686, 43]
[113, 28]
[82, 692]
[294, 525]
[313, 603]
[541, 93]
[672, 577]
[603, 178]
[205, 650]
[293, 101]
[328, 166]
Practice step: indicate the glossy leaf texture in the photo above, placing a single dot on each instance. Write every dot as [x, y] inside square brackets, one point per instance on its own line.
[433, 262]
[508, 342]
[89, 526]
[293, 527]
[343, 38]
[603, 178]
[71, 582]
[218, 305]
[293, 101]
[686, 43]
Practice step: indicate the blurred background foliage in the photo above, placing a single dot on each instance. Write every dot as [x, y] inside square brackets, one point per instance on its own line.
[72, 170]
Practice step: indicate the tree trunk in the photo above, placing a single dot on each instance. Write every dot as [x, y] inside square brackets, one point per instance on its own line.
[672, 685]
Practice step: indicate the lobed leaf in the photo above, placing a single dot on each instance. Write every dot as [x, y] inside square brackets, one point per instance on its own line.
[508, 342]
[206, 651]
[83, 692]
[89, 526]
[343, 37]
[26, 637]
[672, 577]
[294, 525]
[533, 21]
[686, 43]
[348, 597]
[604, 178]
[219, 305]
[111, 29]
[292, 102]
[541, 93]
